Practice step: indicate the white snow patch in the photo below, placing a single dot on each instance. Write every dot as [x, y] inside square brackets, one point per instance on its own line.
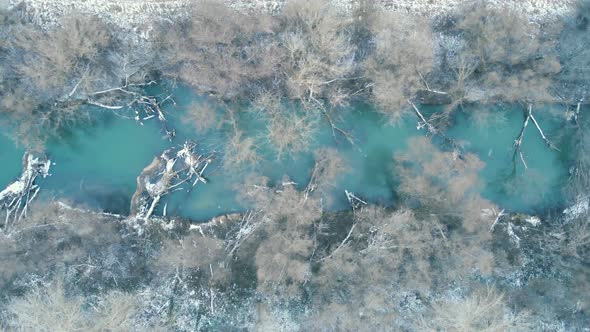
[580, 207]
[533, 220]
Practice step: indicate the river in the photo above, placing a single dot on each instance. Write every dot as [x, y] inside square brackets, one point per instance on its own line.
[97, 164]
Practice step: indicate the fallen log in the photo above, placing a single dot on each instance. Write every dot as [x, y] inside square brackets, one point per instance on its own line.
[15, 199]
[423, 123]
[165, 174]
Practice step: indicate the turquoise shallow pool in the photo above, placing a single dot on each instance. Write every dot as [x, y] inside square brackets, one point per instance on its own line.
[97, 164]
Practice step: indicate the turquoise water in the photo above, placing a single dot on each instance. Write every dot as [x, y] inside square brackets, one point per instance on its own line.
[97, 164]
[509, 184]
[11, 157]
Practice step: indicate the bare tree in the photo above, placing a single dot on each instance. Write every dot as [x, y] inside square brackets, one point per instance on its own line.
[45, 67]
[447, 184]
[202, 116]
[54, 75]
[484, 310]
[320, 69]
[219, 49]
[444, 180]
[329, 166]
[50, 237]
[291, 133]
[47, 309]
[283, 266]
[116, 311]
[282, 202]
[387, 252]
[394, 236]
[511, 58]
[402, 57]
[193, 251]
[50, 308]
[285, 214]
[195, 257]
[319, 52]
[50, 61]
[240, 150]
[290, 127]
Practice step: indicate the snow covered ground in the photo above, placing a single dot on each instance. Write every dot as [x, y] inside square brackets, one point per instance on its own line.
[138, 15]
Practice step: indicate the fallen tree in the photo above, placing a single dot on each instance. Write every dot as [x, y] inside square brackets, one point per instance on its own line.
[165, 174]
[15, 199]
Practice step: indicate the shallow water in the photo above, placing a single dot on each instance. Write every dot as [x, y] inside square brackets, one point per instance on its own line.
[97, 165]
[11, 161]
[516, 188]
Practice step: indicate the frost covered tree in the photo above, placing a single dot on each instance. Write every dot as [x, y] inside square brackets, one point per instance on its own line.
[445, 184]
[483, 310]
[219, 49]
[319, 52]
[505, 56]
[50, 308]
[54, 76]
[402, 58]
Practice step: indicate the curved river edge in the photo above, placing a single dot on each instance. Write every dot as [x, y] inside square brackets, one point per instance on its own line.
[18, 195]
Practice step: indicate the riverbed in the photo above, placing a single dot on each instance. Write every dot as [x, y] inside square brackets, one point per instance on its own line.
[96, 165]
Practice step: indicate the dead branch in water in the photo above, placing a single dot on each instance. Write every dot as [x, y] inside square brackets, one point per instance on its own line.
[433, 131]
[518, 141]
[423, 123]
[333, 125]
[144, 106]
[547, 141]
